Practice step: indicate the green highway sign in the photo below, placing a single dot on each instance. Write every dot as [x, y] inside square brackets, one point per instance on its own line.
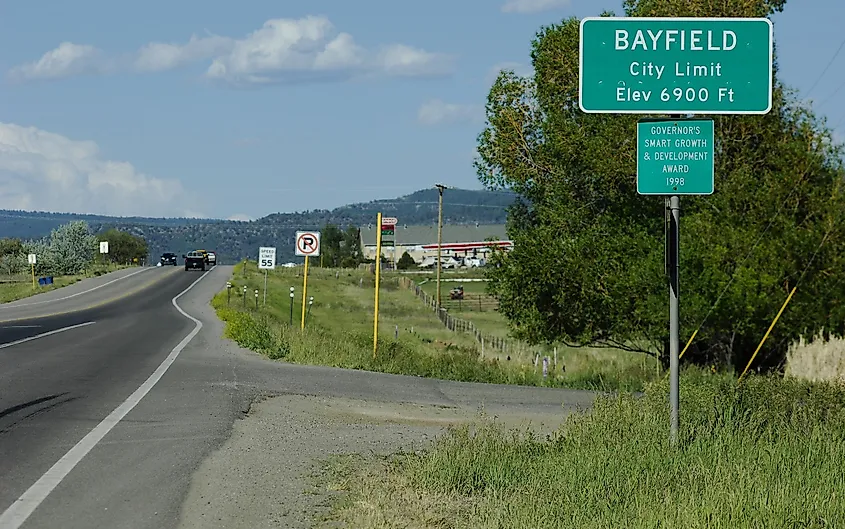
[640, 65]
[675, 157]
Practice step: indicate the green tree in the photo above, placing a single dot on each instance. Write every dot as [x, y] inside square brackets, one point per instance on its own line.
[72, 248]
[405, 262]
[352, 248]
[340, 248]
[45, 257]
[331, 242]
[124, 247]
[588, 262]
[11, 256]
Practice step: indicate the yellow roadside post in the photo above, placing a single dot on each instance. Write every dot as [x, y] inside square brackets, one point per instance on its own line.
[378, 268]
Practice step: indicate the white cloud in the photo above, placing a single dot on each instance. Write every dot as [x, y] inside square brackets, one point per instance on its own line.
[533, 6]
[435, 112]
[309, 48]
[40, 170]
[282, 50]
[160, 56]
[401, 60]
[66, 60]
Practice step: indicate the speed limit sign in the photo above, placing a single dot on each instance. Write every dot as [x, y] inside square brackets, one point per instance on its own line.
[267, 258]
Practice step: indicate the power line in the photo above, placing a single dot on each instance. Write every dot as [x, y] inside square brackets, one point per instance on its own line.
[841, 120]
[747, 255]
[777, 213]
[830, 62]
[833, 94]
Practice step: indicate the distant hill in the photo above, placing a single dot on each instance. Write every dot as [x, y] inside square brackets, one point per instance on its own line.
[234, 240]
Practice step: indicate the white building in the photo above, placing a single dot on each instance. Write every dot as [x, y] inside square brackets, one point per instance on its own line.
[421, 241]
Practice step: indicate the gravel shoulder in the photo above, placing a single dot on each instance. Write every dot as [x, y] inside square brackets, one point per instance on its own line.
[263, 474]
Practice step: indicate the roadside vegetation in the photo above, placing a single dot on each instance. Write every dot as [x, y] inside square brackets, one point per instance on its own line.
[588, 259]
[69, 254]
[766, 453]
[412, 341]
[587, 268]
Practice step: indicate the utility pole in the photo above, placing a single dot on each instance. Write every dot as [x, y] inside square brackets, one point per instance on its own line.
[440, 188]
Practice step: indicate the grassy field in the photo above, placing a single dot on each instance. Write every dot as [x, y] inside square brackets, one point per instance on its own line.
[767, 454]
[620, 368]
[21, 287]
[412, 340]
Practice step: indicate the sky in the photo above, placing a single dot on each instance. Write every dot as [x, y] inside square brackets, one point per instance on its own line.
[237, 110]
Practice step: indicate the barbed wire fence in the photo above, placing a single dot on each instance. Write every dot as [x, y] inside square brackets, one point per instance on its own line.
[490, 344]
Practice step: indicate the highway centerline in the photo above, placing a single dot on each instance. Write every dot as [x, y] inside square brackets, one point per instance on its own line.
[17, 513]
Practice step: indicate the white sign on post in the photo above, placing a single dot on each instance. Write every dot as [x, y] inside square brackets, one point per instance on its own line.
[267, 258]
[308, 243]
[30, 259]
[104, 246]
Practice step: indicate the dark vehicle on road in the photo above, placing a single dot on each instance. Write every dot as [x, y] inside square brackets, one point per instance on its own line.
[194, 261]
[457, 293]
[169, 259]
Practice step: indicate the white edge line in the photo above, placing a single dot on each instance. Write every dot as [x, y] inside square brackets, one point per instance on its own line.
[78, 293]
[17, 513]
[43, 334]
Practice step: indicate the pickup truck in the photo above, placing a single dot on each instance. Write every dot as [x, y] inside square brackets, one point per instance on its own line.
[194, 261]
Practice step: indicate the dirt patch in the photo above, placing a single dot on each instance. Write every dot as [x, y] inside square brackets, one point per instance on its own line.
[265, 473]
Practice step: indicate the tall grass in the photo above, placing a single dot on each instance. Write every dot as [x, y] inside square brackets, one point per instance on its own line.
[412, 341]
[817, 359]
[766, 454]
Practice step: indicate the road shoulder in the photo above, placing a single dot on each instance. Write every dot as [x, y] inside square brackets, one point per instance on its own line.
[263, 475]
[271, 460]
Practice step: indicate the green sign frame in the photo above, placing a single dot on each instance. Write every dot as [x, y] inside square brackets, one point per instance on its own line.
[675, 157]
[685, 65]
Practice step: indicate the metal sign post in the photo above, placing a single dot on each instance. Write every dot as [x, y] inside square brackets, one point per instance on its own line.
[31, 260]
[675, 66]
[674, 316]
[307, 244]
[266, 261]
[675, 157]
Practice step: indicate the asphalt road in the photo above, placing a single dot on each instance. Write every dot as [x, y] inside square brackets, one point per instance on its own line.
[107, 423]
[57, 387]
[89, 293]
